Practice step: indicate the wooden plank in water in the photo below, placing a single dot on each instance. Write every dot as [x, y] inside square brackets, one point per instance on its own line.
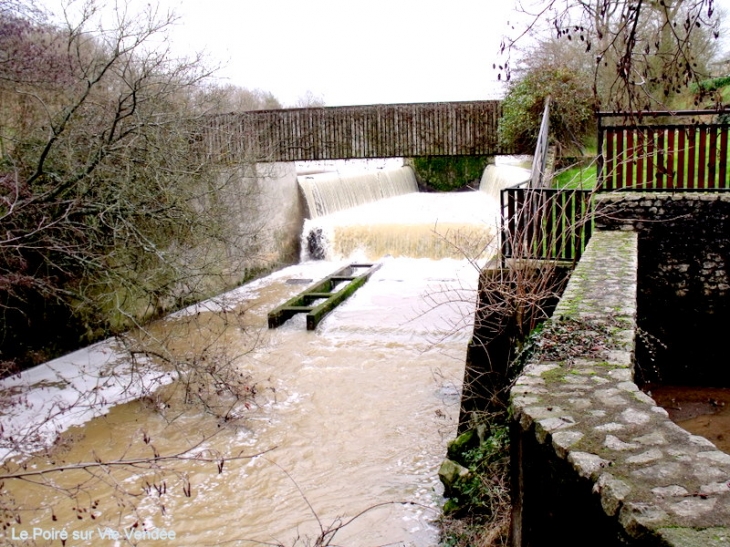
[322, 290]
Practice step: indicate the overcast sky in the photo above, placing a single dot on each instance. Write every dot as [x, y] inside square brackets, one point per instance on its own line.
[350, 51]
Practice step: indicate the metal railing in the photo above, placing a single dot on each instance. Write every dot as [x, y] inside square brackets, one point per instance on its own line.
[539, 161]
[541, 223]
[545, 223]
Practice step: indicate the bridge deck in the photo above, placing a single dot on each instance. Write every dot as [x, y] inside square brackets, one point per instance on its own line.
[376, 131]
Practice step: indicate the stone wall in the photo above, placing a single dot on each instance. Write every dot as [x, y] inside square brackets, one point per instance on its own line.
[684, 262]
[595, 460]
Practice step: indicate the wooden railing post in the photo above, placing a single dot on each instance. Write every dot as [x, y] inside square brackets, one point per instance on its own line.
[599, 151]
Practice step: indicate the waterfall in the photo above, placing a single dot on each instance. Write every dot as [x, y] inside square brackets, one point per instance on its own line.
[327, 193]
[373, 214]
[417, 225]
[497, 177]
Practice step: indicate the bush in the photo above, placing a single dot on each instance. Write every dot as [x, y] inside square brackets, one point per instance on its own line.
[712, 84]
[108, 215]
[449, 173]
[571, 109]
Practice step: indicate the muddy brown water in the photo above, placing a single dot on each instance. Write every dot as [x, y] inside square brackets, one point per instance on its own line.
[702, 411]
[352, 420]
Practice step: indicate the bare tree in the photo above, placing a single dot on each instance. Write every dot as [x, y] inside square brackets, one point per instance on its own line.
[107, 217]
[224, 99]
[309, 100]
[642, 52]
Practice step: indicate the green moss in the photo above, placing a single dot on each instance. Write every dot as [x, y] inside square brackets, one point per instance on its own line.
[608, 365]
[448, 173]
[554, 375]
[486, 458]
[691, 537]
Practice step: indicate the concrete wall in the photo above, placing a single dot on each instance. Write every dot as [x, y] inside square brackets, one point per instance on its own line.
[265, 209]
[595, 460]
[262, 213]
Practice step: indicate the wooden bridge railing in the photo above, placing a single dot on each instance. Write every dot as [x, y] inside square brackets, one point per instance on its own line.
[663, 156]
[375, 131]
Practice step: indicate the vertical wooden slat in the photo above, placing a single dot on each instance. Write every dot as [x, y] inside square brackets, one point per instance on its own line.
[577, 228]
[630, 159]
[509, 239]
[650, 158]
[712, 160]
[380, 130]
[510, 221]
[561, 202]
[702, 160]
[670, 160]
[660, 164]
[640, 157]
[691, 152]
[620, 164]
[681, 157]
[610, 163]
[723, 182]
[547, 227]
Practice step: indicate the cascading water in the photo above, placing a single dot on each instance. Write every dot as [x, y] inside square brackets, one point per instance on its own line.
[352, 221]
[497, 177]
[327, 193]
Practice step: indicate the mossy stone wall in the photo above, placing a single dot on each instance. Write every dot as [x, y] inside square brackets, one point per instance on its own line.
[596, 460]
[683, 282]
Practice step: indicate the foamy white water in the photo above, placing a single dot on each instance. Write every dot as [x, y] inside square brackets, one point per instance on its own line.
[456, 225]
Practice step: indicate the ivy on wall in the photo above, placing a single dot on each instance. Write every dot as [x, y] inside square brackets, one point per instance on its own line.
[449, 173]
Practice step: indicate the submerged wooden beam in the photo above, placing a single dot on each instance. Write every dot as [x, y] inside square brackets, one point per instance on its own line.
[324, 290]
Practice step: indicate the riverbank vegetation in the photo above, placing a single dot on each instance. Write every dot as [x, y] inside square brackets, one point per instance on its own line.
[448, 173]
[477, 512]
[108, 218]
[111, 217]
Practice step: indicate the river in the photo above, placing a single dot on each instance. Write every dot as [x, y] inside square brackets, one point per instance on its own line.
[352, 415]
[340, 432]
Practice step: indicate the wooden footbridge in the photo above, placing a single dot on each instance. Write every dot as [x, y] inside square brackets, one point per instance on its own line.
[348, 132]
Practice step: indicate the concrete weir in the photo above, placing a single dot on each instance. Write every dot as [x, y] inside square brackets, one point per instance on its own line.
[595, 460]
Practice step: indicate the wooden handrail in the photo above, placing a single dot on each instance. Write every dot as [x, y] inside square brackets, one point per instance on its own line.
[658, 113]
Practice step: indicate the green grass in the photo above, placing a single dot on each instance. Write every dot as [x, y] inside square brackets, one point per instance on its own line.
[583, 175]
[576, 178]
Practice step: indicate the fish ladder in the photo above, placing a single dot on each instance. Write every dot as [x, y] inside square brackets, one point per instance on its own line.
[326, 291]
